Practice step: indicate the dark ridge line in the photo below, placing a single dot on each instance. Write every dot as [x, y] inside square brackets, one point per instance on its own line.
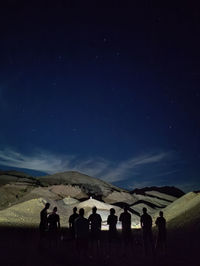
[11, 173]
[124, 204]
[154, 206]
[121, 204]
[156, 197]
[134, 212]
[169, 190]
[27, 179]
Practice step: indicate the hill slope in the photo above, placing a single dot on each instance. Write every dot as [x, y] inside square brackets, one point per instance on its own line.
[66, 189]
[184, 213]
[91, 185]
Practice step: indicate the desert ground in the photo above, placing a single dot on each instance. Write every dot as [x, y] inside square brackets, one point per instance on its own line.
[21, 246]
[22, 198]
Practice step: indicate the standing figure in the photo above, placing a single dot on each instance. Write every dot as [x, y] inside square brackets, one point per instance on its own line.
[95, 225]
[72, 219]
[125, 219]
[112, 222]
[43, 227]
[81, 233]
[54, 227]
[161, 237]
[146, 225]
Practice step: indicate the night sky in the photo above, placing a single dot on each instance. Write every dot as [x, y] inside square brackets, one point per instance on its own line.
[113, 93]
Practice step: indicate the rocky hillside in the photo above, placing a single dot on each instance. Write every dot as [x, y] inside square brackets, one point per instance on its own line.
[21, 193]
[184, 213]
[90, 185]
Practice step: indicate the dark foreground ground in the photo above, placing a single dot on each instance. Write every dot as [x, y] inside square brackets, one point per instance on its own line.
[21, 247]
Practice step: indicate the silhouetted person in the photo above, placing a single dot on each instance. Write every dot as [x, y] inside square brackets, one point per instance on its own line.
[81, 232]
[53, 225]
[95, 223]
[95, 226]
[112, 222]
[125, 219]
[43, 220]
[146, 225]
[72, 219]
[43, 227]
[54, 221]
[161, 237]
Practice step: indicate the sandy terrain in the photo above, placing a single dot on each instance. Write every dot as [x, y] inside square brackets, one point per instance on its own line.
[22, 247]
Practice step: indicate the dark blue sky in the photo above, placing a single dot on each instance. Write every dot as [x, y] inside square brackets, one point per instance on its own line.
[113, 93]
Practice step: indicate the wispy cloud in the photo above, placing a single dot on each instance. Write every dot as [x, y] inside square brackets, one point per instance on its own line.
[41, 161]
[124, 168]
[52, 163]
[98, 167]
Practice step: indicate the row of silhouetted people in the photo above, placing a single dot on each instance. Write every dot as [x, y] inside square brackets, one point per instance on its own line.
[79, 226]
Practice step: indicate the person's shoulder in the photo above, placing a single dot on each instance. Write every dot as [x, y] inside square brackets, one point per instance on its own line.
[50, 216]
[74, 216]
[77, 219]
[71, 217]
[85, 220]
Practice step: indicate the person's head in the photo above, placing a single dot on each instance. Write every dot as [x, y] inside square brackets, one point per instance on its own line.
[81, 212]
[47, 205]
[94, 209]
[125, 209]
[55, 209]
[74, 210]
[112, 211]
[144, 210]
[161, 214]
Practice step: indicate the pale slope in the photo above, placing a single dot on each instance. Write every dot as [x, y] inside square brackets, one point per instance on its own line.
[184, 212]
[88, 184]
